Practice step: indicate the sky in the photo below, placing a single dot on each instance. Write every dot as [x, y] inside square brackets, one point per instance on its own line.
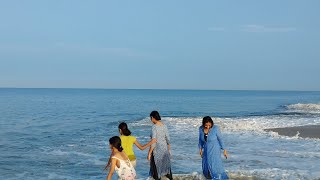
[168, 44]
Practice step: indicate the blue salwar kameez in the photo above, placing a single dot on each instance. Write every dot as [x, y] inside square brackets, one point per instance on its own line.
[211, 154]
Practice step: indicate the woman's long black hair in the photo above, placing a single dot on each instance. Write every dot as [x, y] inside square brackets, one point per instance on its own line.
[124, 128]
[115, 141]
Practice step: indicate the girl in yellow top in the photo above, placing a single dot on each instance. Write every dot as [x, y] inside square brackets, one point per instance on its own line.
[127, 142]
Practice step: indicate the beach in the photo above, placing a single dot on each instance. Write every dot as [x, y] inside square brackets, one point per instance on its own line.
[64, 133]
[310, 131]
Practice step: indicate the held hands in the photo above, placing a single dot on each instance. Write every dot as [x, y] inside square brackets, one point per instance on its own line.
[225, 154]
[154, 140]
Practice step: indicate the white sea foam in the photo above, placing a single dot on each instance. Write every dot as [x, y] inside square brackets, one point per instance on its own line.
[253, 152]
[255, 124]
[57, 176]
[304, 108]
[257, 174]
[59, 152]
[143, 122]
[270, 174]
[251, 125]
[191, 176]
[301, 154]
[245, 124]
[40, 176]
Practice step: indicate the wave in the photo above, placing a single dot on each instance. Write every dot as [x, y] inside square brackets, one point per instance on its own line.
[252, 123]
[242, 124]
[304, 108]
[237, 125]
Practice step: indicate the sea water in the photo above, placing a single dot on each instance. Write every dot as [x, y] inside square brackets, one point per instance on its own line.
[64, 133]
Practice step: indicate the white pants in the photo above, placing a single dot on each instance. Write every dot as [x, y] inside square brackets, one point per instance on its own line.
[134, 163]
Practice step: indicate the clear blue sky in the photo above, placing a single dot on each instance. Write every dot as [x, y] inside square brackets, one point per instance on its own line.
[253, 45]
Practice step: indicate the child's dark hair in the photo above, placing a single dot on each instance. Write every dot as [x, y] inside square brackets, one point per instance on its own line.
[124, 129]
[155, 115]
[206, 120]
[115, 141]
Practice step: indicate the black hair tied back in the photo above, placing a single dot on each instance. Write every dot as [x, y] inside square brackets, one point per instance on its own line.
[124, 128]
[115, 141]
[155, 115]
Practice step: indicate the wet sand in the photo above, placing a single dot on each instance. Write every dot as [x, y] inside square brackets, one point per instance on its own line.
[312, 131]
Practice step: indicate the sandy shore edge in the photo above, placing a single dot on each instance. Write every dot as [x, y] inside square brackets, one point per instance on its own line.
[310, 131]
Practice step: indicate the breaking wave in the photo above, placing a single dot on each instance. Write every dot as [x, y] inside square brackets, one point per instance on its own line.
[304, 108]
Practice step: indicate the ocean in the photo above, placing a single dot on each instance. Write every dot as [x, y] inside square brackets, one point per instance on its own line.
[64, 133]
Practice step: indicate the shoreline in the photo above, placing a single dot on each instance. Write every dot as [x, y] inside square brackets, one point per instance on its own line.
[309, 131]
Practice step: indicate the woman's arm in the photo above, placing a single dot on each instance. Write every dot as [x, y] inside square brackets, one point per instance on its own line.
[220, 138]
[146, 145]
[150, 152]
[225, 154]
[221, 143]
[201, 143]
[109, 161]
[113, 165]
[169, 149]
[153, 136]
[168, 140]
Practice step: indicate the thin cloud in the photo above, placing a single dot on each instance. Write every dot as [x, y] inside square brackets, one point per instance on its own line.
[216, 29]
[265, 29]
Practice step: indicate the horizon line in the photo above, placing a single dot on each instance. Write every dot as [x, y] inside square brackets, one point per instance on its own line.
[168, 89]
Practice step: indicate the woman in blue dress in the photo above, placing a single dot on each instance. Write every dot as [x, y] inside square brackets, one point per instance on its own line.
[210, 146]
